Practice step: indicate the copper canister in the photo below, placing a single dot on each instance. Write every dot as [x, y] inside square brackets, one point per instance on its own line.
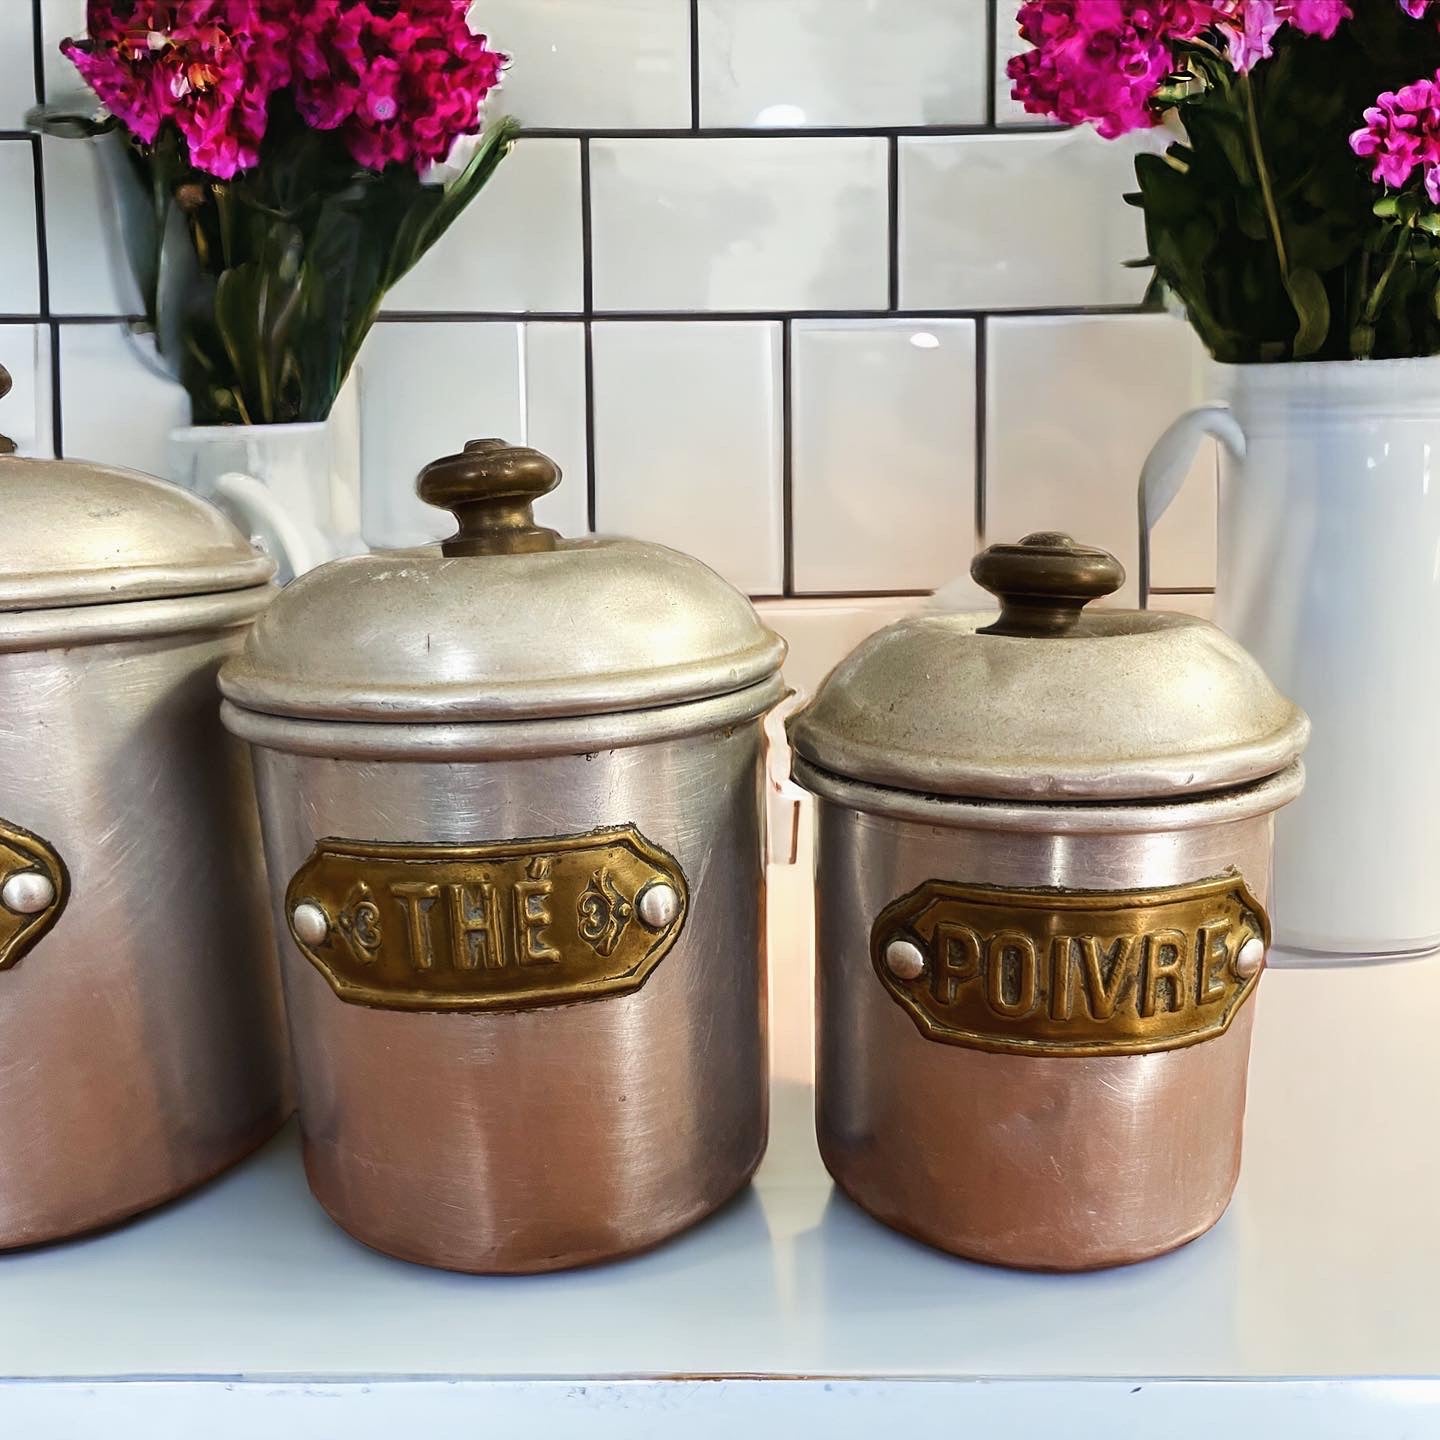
[141, 1036]
[1043, 864]
[512, 795]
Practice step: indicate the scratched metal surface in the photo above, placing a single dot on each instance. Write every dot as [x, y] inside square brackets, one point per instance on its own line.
[527, 1141]
[141, 1044]
[1051, 1163]
[1323, 1266]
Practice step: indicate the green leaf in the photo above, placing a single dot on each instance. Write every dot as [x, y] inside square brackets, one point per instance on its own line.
[1312, 307]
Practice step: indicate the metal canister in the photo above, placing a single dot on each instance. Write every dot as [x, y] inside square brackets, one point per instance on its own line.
[1043, 862]
[511, 790]
[141, 1035]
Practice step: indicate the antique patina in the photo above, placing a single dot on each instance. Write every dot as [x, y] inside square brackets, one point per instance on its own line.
[1043, 869]
[512, 788]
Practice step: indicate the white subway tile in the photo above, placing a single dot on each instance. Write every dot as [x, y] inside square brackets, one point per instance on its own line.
[17, 63]
[1015, 221]
[884, 453]
[821, 633]
[688, 442]
[1074, 407]
[118, 404]
[426, 388]
[584, 65]
[20, 272]
[518, 245]
[790, 63]
[1198, 603]
[553, 420]
[89, 272]
[26, 413]
[59, 20]
[740, 224]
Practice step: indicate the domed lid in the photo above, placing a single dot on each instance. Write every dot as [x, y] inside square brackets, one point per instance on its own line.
[73, 534]
[1050, 701]
[503, 621]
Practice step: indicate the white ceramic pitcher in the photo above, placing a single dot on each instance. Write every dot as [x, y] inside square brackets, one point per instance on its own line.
[1330, 576]
[294, 488]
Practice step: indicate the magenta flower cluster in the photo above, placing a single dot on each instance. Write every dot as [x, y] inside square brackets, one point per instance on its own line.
[1100, 62]
[400, 80]
[1402, 135]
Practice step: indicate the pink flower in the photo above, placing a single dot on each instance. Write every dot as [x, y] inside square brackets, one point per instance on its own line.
[1415, 9]
[207, 66]
[401, 80]
[1402, 134]
[1100, 61]
[1252, 25]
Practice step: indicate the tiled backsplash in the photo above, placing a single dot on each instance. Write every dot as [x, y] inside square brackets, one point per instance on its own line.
[790, 284]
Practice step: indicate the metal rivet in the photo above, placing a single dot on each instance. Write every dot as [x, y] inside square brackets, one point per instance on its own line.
[311, 923]
[27, 893]
[905, 959]
[658, 905]
[1250, 958]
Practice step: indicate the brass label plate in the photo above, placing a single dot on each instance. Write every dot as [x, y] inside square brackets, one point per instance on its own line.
[511, 925]
[1051, 972]
[21, 854]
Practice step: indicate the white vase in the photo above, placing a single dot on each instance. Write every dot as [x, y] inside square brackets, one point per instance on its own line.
[1330, 576]
[294, 488]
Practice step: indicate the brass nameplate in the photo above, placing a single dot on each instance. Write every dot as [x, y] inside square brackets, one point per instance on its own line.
[1050, 972]
[34, 887]
[511, 925]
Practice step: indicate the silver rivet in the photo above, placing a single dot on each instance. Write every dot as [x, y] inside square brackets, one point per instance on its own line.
[1250, 958]
[658, 905]
[905, 959]
[311, 923]
[27, 892]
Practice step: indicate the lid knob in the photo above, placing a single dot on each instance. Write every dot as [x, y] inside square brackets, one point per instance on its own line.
[7, 445]
[1044, 583]
[491, 489]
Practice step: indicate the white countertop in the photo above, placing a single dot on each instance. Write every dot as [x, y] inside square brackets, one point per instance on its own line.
[1326, 1269]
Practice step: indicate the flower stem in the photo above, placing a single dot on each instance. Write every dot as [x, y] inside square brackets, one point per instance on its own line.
[1262, 170]
[1402, 246]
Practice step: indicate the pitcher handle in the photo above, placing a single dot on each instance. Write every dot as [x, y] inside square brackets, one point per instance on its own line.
[784, 798]
[1169, 463]
[293, 545]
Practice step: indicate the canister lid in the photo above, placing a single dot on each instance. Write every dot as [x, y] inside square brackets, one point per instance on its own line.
[74, 534]
[504, 621]
[1050, 701]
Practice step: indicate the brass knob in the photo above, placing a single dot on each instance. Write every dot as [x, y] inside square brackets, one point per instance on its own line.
[1044, 583]
[491, 489]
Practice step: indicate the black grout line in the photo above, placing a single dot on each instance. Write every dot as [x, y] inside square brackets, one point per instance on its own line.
[57, 419]
[1038, 312]
[894, 223]
[694, 64]
[37, 26]
[590, 495]
[982, 438]
[1180, 590]
[42, 240]
[787, 458]
[806, 132]
[587, 233]
[587, 299]
[39, 319]
[992, 61]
